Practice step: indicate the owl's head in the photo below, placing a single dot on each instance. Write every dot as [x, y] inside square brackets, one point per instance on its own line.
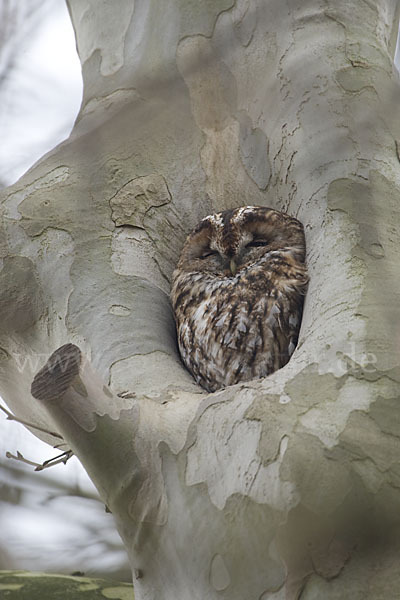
[226, 242]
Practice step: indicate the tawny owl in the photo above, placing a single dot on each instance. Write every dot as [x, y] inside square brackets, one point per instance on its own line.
[237, 295]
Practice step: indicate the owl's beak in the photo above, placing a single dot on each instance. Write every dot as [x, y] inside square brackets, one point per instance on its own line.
[233, 266]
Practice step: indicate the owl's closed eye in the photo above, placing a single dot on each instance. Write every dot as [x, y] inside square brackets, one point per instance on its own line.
[237, 295]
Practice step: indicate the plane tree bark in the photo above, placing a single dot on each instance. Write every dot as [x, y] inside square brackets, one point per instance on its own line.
[271, 489]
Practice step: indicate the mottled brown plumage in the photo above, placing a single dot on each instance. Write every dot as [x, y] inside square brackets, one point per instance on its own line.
[237, 295]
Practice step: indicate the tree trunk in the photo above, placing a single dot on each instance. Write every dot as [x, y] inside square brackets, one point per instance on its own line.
[270, 489]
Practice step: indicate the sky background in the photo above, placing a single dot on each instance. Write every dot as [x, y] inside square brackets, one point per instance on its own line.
[41, 95]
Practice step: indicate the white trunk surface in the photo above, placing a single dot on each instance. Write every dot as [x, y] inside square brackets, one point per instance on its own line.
[271, 489]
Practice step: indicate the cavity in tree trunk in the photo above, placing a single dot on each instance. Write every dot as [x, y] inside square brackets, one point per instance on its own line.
[270, 489]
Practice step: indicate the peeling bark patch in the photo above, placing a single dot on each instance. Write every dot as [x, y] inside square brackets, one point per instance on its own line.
[308, 380]
[111, 29]
[133, 372]
[356, 198]
[278, 420]
[211, 84]
[329, 560]
[247, 559]
[397, 149]
[21, 302]
[355, 79]
[219, 575]
[119, 310]
[305, 465]
[308, 544]
[131, 203]
[196, 17]
[373, 211]
[238, 468]
[49, 201]
[376, 250]
[134, 253]
[4, 355]
[13, 201]
[385, 412]
[363, 439]
[253, 146]
[244, 16]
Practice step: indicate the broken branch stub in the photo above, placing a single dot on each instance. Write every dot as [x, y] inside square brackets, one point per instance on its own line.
[53, 380]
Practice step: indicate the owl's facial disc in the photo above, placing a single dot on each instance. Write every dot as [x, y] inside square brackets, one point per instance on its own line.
[233, 252]
[226, 243]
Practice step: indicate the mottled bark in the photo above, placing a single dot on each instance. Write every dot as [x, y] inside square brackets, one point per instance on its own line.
[268, 490]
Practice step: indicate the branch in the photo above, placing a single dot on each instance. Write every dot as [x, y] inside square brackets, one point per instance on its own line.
[88, 416]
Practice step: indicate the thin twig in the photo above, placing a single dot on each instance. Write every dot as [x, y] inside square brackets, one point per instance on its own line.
[51, 462]
[12, 417]
[56, 460]
[19, 457]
